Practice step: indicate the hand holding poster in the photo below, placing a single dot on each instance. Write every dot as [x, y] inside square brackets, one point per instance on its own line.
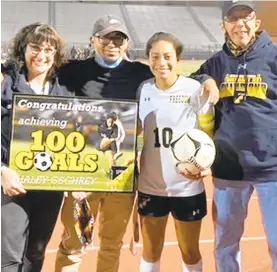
[74, 143]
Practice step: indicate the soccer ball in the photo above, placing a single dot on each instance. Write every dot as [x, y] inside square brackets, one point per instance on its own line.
[43, 161]
[194, 151]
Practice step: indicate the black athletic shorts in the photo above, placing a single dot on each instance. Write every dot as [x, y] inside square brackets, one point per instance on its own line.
[189, 208]
[111, 147]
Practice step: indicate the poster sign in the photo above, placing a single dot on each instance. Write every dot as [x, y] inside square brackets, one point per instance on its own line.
[73, 144]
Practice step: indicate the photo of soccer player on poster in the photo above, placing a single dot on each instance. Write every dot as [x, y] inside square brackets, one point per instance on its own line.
[73, 143]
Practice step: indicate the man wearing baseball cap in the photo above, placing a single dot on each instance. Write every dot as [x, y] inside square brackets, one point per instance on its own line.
[108, 24]
[106, 75]
[229, 5]
[246, 132]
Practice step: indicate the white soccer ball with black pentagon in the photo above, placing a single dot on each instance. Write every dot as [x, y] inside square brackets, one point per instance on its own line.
[194, 151]
[43, 161]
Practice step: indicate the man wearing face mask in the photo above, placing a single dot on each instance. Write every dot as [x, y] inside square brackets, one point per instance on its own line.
[245, 131]
[105, 75]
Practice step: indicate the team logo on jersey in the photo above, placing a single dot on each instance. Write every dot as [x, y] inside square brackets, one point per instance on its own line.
[179, 99]
[242, 86]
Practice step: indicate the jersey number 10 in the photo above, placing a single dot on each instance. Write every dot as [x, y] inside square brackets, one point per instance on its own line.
[166, 135]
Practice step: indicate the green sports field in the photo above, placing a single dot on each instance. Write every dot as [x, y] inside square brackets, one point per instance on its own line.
[77, 181]
[186, 67]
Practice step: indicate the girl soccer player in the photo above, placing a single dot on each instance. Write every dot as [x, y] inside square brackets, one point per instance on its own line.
[170, 105]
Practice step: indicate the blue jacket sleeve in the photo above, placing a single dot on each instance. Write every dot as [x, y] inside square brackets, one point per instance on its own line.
[212, 68]
[205, 70]
[203, 73]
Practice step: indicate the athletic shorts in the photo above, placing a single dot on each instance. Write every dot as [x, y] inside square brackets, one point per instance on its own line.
[191, 208]
[111, 147]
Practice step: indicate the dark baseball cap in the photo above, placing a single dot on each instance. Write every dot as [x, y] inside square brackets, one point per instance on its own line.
[107, 24]
[228, 5]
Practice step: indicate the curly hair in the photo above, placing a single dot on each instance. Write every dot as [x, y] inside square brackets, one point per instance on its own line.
[36, 33]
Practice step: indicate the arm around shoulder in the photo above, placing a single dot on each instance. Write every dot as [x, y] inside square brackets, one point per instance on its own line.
[206, 76]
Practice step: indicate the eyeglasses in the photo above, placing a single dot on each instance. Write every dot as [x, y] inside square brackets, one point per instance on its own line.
[48, 51]
[116, 40]
[232, 19]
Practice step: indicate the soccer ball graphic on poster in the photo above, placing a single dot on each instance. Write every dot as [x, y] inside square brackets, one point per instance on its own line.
[194, 151]
[43, 161]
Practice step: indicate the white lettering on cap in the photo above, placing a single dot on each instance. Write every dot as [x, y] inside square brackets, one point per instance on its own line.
[114, 21]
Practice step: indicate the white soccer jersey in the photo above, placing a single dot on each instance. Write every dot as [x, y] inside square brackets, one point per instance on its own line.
[121, 131]
[165, 116]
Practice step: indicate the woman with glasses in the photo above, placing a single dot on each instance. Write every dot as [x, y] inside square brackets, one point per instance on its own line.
[246, 132]
[28, 218]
